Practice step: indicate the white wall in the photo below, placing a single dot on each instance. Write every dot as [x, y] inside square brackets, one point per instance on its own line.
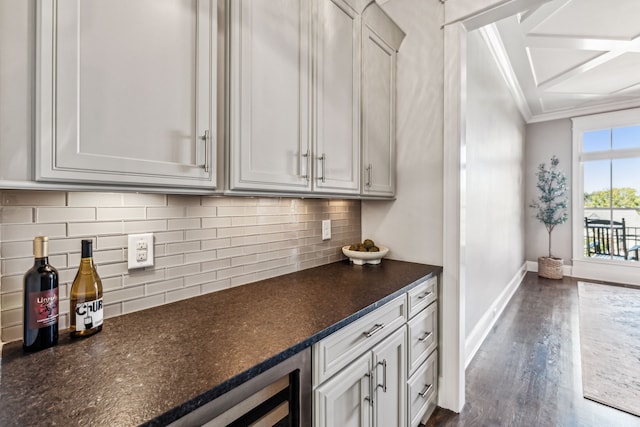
[543, 141]
[411, 226]
[495, 231]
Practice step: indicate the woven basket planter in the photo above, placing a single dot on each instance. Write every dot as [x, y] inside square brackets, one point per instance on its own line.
[550, 268]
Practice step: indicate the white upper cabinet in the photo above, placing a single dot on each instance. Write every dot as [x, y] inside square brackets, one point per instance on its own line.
[294, 103]
[270, 94]
[337, 108]
[381, 41]
[127, 92]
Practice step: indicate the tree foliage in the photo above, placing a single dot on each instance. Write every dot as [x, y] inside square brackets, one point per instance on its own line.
[626, 197]
[551, 204]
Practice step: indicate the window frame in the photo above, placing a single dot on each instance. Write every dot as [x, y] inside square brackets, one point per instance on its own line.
[581, 125]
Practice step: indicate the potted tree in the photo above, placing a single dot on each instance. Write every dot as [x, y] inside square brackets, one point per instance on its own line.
[551, 210]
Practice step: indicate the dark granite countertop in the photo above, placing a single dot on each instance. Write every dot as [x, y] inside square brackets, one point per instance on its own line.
[154, 366]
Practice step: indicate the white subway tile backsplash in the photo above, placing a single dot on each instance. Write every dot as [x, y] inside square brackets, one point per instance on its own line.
[143, 199]
[201, 211]
[110, 242]
[182, 271]
[181, 294]
[107, 256]
[32, 198]
[142, 303]
[11, 300]
[184, 224]
[182, 247]
[17, 215]
[13, 232]
[128, 214]
[137, 277]
[203, 243]
[16, 265]
[166, 212]
[88, 229]
[94, 199]
[164, 286]
[169, 237]
[11, 283]
[126, 294]
[216, 222]
[200, 256]
[57, 214]
[169, 261]
[18, 249]
[150, 226]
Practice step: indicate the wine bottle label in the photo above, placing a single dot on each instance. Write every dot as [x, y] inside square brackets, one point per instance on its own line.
[88, 315]
[43, 309]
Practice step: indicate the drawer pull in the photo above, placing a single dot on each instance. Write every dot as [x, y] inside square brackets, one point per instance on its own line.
[376, 328]
[427, 389]
[425, 336]
[425, 295]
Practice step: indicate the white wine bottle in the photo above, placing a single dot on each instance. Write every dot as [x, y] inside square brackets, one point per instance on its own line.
[40, 320]
[86, 296]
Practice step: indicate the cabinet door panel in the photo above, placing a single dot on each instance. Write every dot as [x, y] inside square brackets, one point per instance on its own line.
[389, 359]
[129, 94]
[269, 100]
[338, 97]
[378, 116]
[344, 400]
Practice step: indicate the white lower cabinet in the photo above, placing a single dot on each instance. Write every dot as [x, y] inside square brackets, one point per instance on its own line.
[368, 392]
[382, 369]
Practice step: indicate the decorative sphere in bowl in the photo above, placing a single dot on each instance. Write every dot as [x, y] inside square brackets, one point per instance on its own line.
[362, 257]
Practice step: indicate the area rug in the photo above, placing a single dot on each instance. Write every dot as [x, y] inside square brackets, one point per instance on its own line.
[610, 345]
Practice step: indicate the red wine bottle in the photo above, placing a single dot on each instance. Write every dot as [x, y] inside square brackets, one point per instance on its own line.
[40, 320]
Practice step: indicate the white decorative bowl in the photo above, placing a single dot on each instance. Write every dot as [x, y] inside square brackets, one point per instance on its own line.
[360, 258]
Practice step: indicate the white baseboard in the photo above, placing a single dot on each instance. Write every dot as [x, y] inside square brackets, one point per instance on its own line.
[486, 322]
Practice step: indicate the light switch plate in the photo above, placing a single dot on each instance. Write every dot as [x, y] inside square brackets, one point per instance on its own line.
[326, 229]
[140, 250]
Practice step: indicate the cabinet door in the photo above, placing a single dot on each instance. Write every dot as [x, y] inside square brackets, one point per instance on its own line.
[378, 115]
[337, 133]
[126, 91]
[345, 400]
[269, 78]
[389, 359]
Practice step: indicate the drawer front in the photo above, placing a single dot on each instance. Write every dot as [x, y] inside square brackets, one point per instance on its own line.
[422, 390]
[423, 336]
[422, 295]
[345, 345]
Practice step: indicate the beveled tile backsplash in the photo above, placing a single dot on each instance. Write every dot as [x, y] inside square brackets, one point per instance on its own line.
[202, 243]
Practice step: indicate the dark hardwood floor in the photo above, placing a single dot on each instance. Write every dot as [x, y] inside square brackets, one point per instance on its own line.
[527, 371]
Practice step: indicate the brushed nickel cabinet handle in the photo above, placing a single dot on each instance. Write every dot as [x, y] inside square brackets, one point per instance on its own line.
[425, 295]
[323, 160]
[371, 390]
[425, 336]
[368, 183]
[306, 157]
[376, 328]
[384, 375]
[207, 143]
[426, 390]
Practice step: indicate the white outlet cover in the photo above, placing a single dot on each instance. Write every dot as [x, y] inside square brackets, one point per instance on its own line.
[140, 243]
[326, 229]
